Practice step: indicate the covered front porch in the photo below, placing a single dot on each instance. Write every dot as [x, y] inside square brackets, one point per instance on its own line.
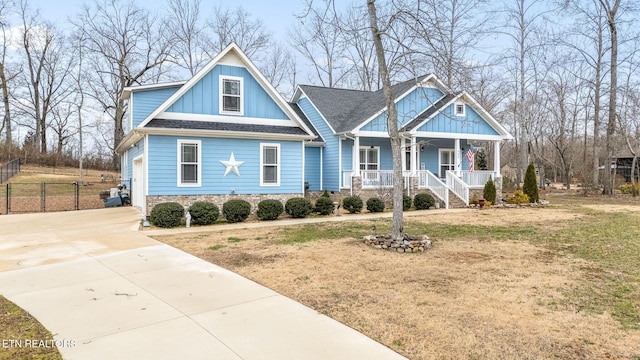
[440, 165]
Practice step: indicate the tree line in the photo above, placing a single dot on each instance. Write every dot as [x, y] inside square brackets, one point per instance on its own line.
[560, 75]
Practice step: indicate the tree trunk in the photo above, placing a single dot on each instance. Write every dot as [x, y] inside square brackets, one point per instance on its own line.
[6, 120]
[392, 124]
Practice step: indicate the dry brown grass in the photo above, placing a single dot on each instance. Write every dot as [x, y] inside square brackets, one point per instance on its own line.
[470, 297]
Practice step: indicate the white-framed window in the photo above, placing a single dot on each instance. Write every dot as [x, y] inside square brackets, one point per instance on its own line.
[446, 161]
[231, 95]
[189, 163]
[369, 161]
[269, 164]
[459, 109]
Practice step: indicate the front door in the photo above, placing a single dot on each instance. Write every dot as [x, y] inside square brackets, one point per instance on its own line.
[447, 161]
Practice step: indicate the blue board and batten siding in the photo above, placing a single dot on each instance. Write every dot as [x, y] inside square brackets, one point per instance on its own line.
[143, 103]
[204, 97]
[330, 160]
[163, 167]
[410, 106]
[447, 122]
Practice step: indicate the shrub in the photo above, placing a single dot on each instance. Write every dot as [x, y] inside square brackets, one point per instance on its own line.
[298, 207]
[236, 210]
[406, 202]
[325, 193]
[203, 213]
[530, 187]
[269, 209]
[489, 191]
[519, 197]
[167, 215]
[423, 201]
[353, 204]
[375, 204]
[475, 200]
[324, 206]
[628, 188]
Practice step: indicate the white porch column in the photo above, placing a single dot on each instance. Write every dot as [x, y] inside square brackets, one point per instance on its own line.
[403, 155]
[458, 156]
[414, 156]
[496, 159]
[356, 156]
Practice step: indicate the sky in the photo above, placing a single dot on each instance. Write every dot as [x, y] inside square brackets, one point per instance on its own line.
[277, 15]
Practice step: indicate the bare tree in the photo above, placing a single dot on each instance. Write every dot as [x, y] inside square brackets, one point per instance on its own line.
[6, 76]
[184, 22]
[227, 26]
[392, 122]
[611, 12]
[278, 66]
[124, 45]
[317, 37]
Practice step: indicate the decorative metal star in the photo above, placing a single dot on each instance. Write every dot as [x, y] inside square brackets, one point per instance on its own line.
[232, 165]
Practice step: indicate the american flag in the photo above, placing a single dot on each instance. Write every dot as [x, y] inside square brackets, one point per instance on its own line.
[470, 158]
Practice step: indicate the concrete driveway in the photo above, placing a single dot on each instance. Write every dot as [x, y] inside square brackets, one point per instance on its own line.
[107, 291]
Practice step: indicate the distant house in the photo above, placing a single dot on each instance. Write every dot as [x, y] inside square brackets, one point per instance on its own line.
[227, 133]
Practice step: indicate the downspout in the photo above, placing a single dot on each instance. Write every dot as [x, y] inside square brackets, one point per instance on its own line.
[352, 170]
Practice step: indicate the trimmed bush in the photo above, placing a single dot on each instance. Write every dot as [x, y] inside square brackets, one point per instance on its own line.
[489, 191]
[406, 202]
[375, 204]
[353, 204]
[324, 206]
[298, 207]
[530, 187]
[423, 201]
[167, 215]
[325, 193]
[519, 197]
[236, 210]
[269, 209]
[203, 213]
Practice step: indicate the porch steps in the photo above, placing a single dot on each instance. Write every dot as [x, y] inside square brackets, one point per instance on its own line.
[454, 201]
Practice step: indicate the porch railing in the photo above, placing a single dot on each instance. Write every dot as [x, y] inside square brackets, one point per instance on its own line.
[372, 179]
[426, 179]
[477, 179]
[459, 187]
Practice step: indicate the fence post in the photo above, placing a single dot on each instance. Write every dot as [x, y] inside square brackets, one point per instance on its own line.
[43, 198]
[77, 195]
[8, 202]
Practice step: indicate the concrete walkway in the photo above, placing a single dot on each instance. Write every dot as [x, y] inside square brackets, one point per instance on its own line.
[108, 291]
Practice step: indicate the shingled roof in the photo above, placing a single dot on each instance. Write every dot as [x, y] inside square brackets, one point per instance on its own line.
[346, 109]
[214, 125]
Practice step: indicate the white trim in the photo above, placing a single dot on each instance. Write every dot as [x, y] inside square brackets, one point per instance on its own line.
[444, 135]
[130, 109]
[224, 134]
[127, 91]
[339, 163]
[455, 109]
[322, 167]
[221, 93]
[226, 119]
[146, 172]
[374, 134]
[303, 164]
[135, 187]
[278, 164]
[198, 144]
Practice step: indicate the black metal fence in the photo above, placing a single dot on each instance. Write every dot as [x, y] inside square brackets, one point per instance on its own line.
[44, 197]
[9, 169]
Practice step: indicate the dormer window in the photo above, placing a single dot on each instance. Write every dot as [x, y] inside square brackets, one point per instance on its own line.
[231, 91]
[459, 109]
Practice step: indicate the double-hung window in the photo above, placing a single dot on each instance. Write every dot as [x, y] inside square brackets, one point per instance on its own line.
[189, 162]
[269, 164]
[231, 90]
[459, 109]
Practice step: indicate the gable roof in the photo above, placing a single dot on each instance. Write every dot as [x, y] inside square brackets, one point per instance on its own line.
[253, 70]
[447, 100]
[345, 110]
